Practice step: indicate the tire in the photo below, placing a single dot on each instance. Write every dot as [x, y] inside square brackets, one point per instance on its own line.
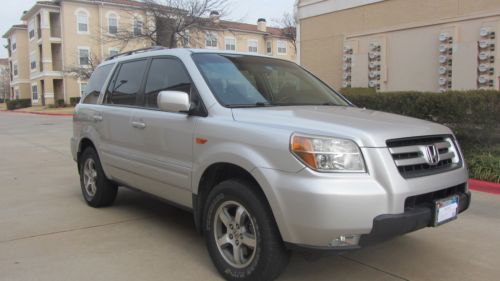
[268, 258]
[97, 190]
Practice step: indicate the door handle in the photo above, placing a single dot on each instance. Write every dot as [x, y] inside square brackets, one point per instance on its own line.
[97, 118]
[138, 125]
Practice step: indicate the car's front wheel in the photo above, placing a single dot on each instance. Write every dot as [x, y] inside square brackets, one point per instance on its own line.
[241, 235]
[97, 189]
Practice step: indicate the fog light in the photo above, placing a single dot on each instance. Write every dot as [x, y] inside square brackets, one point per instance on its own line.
[345, 241]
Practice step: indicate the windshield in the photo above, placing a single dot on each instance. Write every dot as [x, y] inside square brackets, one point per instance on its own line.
[248, 81]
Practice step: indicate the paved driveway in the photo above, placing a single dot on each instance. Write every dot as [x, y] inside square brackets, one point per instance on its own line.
[47, 232]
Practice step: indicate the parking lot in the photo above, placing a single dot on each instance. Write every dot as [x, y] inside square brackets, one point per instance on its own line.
[47, 232]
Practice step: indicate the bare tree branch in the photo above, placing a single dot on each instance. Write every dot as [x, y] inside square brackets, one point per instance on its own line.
[288, 25]
[83, 72]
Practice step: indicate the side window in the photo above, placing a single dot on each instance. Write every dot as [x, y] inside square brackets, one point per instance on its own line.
[94, 86]
[127, 83]
[165, 74]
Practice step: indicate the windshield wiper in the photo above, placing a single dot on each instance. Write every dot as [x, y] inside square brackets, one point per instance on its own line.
[257, 104]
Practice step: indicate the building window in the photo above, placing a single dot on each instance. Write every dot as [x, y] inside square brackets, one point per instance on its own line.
[31, 29]
[269, 47]
[211, 40]
[186, 39]
[82, 88]
[252, 46]
[32, 62]
[14, 70]
[82, 21]
[112, 24]
[16, 93]
[230, 44]
[281, 47]
[138, 25]
[113, 52]
[34, 92]
[84, 56]
[13, 43]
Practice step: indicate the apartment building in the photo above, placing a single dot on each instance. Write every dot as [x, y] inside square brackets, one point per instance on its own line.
[394, 45]
[17, 47]
[62, 40]
[242, 37]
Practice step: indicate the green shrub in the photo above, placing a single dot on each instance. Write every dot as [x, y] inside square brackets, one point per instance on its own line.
[474, 116]
[20, 103]
[60, 103]
[74, 101]
[485, 165]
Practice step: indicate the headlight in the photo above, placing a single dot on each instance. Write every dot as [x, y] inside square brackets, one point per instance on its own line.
[325, 154]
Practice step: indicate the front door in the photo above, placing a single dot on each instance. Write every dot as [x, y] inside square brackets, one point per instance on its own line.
[167, 137]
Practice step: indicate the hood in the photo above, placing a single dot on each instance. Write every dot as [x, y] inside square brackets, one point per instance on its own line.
[368, 128]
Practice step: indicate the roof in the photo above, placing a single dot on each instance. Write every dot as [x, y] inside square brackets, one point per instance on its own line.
[248, 27]
[38, 4]
[12, 28]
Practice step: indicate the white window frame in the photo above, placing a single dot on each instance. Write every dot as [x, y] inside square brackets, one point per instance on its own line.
[82, 12]
[109, 16]
[138, 19]
[80, 87]
[32, 60]
[13, 43]
[88, 59]
[269, 42]
[215, 35]
[31, 28]
[285, 46]
[226, 40]
[186, 39]
[251, 41]
[35, 85]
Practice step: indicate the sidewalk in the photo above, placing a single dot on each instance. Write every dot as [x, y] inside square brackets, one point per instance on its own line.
[63, 111]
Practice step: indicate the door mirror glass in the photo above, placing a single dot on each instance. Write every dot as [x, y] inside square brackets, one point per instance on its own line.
[174, 101]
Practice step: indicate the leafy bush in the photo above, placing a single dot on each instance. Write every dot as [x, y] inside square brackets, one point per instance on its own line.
[485, 164]
[474, 117]
[20, 103]
[60, 103]
[74, 101]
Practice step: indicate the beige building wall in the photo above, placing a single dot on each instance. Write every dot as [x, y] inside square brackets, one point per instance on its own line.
[97, 40]
[407, 32]
[20, 83]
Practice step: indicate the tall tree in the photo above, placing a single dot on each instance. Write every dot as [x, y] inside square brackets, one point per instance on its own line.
[288, 24]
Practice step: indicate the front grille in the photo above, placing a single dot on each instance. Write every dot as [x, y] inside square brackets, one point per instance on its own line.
[412, 160]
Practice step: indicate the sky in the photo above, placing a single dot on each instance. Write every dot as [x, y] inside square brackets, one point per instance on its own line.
[240, 10]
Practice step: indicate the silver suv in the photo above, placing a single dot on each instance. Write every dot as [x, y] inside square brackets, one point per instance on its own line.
[266, 156]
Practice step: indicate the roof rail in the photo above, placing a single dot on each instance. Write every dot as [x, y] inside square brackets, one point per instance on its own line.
[137, 51]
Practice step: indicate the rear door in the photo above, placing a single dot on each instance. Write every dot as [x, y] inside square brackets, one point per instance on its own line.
[120, 139]
[167, 137]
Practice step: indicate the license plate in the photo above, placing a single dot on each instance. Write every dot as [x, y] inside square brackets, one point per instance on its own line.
[445, 210]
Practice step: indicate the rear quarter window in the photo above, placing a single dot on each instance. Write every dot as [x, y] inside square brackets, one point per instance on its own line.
[95, 84]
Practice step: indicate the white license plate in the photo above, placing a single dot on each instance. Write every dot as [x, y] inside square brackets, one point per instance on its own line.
[445, 210]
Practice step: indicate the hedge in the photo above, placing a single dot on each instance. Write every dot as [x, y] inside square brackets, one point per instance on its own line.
[73, 101]
[474, 116]
[20, 103]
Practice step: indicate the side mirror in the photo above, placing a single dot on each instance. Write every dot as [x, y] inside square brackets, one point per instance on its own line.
[173, 101]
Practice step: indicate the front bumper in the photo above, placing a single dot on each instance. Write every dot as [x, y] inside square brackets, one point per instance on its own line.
[313, 209]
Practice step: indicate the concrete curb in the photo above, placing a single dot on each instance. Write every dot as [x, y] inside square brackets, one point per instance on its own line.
[38, 113]
[484, 186]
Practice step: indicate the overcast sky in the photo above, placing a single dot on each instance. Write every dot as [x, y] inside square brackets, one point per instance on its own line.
[242, 10]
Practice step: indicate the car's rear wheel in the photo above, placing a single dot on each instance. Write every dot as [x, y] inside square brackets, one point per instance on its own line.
[241, 235]
[97, 190]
